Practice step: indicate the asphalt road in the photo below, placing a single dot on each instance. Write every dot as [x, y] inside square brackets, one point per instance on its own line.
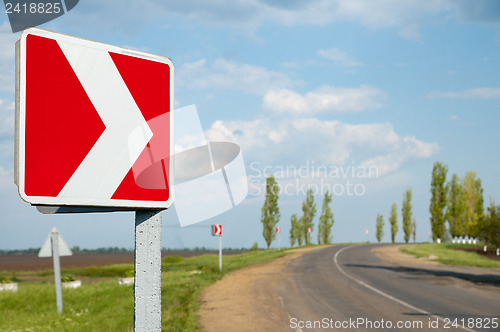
[349, 288]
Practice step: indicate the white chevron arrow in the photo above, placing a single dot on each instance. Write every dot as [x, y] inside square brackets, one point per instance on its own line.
[126, 134]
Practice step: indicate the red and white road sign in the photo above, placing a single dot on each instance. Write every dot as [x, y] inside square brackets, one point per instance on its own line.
[309, 230]
[278, 229]
[217, 229]
[93, 123]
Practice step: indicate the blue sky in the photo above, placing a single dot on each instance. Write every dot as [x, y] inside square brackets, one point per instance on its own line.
[310, 85]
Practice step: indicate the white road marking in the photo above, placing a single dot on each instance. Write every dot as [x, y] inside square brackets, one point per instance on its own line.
[298, 329]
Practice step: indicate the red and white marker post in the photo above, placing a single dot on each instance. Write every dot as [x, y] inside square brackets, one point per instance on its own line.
[278, 231]
[217, 231]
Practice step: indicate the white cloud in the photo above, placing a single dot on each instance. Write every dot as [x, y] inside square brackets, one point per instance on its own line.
[291, 141]
[410, 32]
[405, 15]
[6, 178]
[7, 116]
[6, 151]
[476, 93]
[248, 15]
[93, 16]
[339, 58]
[390, 13]
[456, 120]
[393, 160]
[7, 57]
[375, 14]
[324, 99]
[227, 75]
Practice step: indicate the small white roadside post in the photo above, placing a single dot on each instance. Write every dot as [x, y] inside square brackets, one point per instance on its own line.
[55, 246]
[147, 282]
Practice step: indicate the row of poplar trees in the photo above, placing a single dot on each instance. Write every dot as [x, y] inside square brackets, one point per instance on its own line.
[409, 224]
[270, 216]
[460, 203]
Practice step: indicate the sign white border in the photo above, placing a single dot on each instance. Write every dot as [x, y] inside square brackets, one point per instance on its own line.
[20, 126]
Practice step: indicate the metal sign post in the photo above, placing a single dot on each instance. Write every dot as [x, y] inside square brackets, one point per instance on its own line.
[147, 283]
[56, 247]
[57, 269]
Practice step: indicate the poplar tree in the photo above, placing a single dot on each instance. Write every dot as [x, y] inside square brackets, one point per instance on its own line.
[270, 211]
[380, 227]
[393, 220]
[309, 209]
[455, 207]
[489, 230]
[438, 200]
[414, 230]
[407, 214]
[325, 221]
[294, 234]
[473, 200]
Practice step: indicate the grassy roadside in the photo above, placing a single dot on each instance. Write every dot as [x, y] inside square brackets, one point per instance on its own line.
[450, 254]
[106, 306]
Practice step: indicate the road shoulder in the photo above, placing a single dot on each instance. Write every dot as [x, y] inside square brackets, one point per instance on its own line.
[245, 300]
[392, 254]
[481, 279]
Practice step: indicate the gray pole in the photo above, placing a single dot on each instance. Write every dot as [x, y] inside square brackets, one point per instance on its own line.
[220, 253]
[147, 285]
[57, 270]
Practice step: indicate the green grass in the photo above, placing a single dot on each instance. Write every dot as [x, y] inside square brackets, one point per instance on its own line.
[449, 254]
[115, 270]
[184, 280]
[103, 306]
[106, 306]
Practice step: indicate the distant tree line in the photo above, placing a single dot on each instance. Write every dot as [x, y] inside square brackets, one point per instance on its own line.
[75, 250]
[102, 250]
[20, 251]
[78, 250]
[457, 203]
